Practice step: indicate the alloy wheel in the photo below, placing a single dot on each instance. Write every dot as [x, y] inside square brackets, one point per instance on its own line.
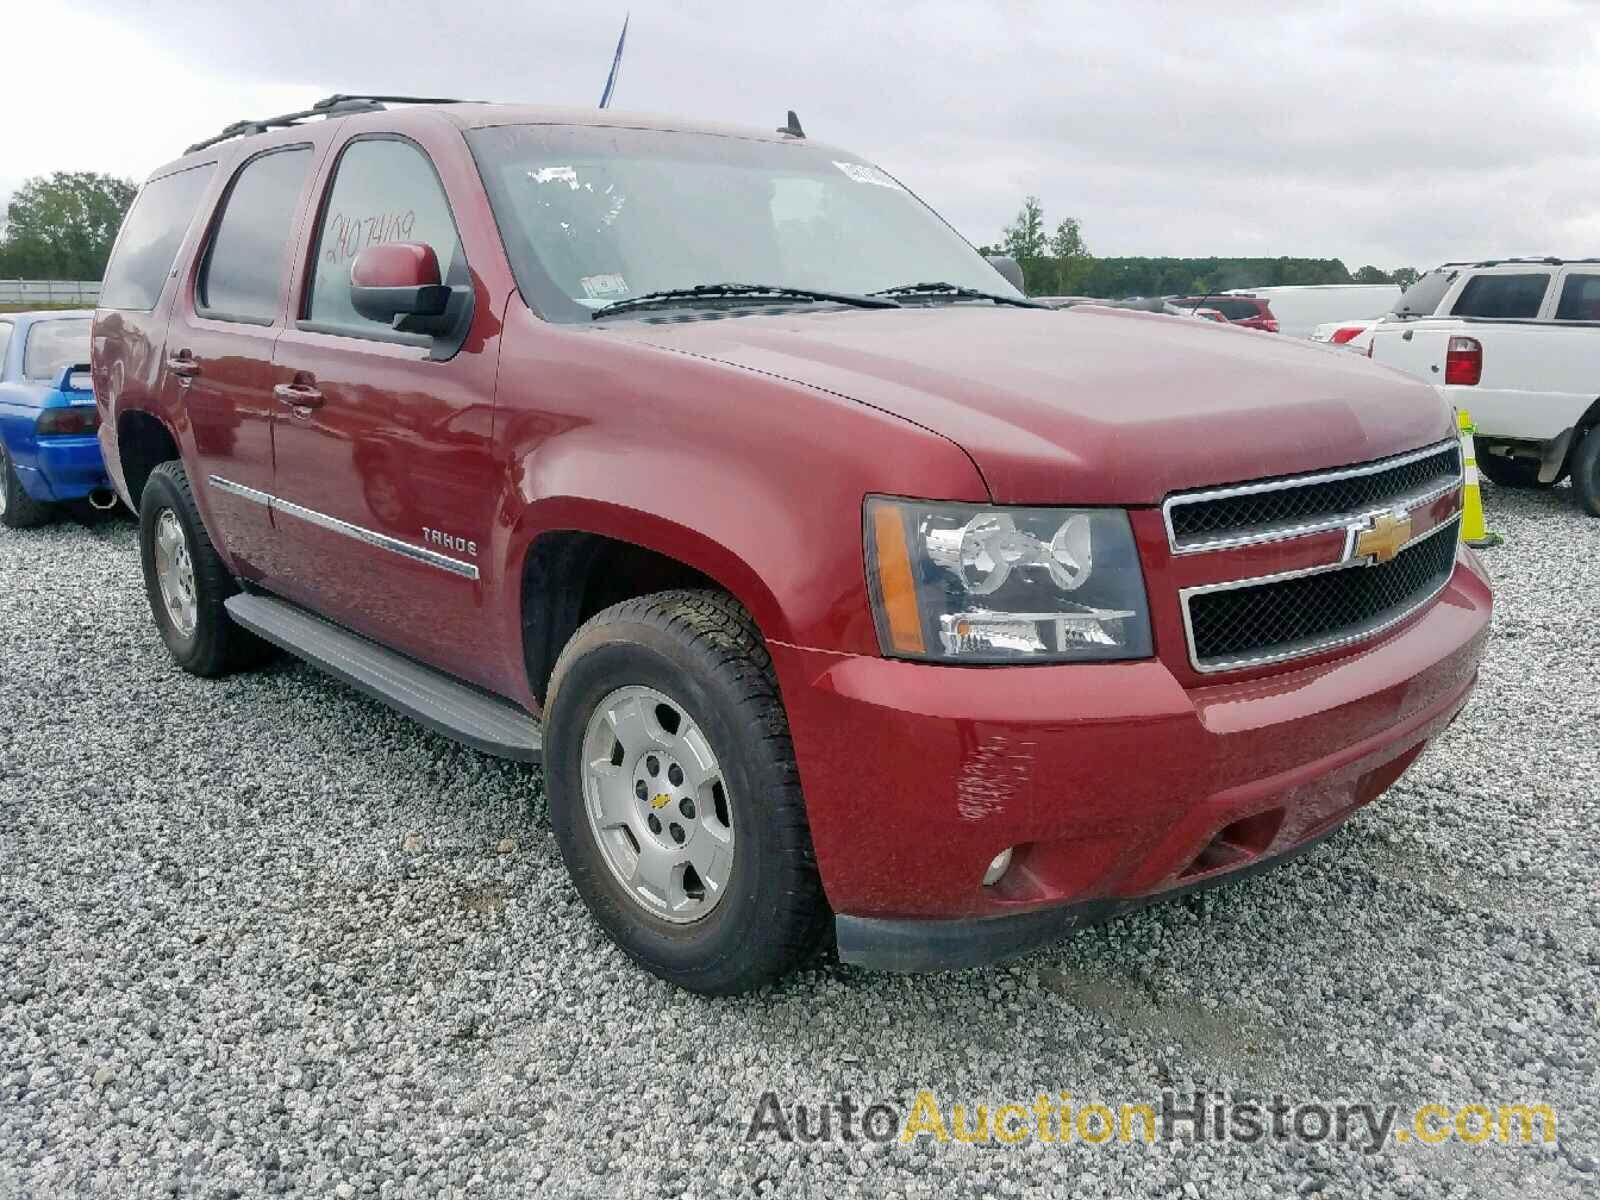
[658, 804]
[175, 573]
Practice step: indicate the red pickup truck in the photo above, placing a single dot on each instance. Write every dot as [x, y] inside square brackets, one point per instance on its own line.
[839, 588]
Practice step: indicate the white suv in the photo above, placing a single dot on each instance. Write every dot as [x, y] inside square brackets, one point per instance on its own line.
[1516, 342]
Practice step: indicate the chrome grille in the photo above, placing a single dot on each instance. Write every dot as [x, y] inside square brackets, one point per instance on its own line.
[1273, 509]
[1257, 621]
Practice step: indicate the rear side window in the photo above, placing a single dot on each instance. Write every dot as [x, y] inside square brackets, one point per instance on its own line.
[151, 234]
[5, 341]
[53, 345]
[1422, 298]
[1502, 297]
[244, 270]
[1580, 299]
[385, 190]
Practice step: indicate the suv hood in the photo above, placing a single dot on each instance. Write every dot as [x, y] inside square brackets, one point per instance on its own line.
[1089, 405]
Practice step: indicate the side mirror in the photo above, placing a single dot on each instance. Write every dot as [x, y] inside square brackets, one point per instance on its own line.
[398, 280]
[1009, 270]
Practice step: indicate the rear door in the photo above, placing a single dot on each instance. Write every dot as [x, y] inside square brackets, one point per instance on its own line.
[386, 484]
[1552, 374]
[218, 362]
[131, 321]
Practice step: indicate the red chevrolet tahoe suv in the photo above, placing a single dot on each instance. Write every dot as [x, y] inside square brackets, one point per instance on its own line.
[839, 588]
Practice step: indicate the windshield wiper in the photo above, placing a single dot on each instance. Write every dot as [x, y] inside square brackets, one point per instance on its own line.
[956, 292]
[740, 291]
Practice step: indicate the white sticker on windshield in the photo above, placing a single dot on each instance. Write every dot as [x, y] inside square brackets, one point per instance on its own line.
[867, 173]
[564, 175]
[603, 287]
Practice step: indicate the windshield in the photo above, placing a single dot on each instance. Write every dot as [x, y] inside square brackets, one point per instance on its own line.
[53, 345]
[591, 215]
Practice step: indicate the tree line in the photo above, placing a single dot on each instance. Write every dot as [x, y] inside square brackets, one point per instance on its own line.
[1058, 263]
[61, 226]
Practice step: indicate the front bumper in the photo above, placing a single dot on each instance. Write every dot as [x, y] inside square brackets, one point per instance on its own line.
[63, 468]
[1114, 782]
[887, 944]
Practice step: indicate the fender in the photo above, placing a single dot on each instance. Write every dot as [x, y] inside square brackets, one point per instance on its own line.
[513, 542]
[650, 531]
[754, 481]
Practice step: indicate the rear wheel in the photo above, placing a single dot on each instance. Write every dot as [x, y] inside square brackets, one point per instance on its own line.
[187, 581]
[674, 794]
[1586, 472]
[18, 510]
[1504, 471]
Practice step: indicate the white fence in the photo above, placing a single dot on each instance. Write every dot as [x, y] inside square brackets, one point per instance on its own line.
[50, 291]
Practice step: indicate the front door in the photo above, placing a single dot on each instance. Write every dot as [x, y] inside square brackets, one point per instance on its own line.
[218, 369]
[384, 479]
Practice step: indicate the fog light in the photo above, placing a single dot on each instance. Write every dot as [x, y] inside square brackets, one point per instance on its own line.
[998, 867]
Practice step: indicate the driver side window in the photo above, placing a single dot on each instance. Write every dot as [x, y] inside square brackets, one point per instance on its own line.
[384, 190]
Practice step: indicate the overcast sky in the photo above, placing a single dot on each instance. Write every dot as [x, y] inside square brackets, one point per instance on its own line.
[1396, 133]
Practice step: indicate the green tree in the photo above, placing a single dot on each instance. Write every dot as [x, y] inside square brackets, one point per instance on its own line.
[61, 226]
[1024, 240]
[1071, 256]
[1370, 274]
[1406, 276]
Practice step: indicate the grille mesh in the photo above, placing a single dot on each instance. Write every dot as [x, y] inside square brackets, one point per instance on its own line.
[1196, 522]
[1295, 615]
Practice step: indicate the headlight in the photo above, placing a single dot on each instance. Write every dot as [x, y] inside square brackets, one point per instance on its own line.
[974, 584]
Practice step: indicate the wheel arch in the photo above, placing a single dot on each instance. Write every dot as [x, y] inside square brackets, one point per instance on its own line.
[575, 557]
[144, 442]
[1590, 420]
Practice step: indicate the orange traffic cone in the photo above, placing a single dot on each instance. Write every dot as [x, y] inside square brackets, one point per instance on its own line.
[1473, 531]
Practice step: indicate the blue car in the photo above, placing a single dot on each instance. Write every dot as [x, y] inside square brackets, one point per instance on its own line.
[49, 452]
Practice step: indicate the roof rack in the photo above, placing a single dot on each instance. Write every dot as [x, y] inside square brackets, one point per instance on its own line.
[340, 104]
[1543, 259]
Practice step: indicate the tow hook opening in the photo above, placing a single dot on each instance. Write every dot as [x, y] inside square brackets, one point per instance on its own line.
[998, 867]
[1237, 843]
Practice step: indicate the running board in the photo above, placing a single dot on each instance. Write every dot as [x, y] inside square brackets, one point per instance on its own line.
[429, 697]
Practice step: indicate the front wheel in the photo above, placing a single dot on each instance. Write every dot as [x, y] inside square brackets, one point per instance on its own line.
[674, 794]
[1586, 472]
[18, 510]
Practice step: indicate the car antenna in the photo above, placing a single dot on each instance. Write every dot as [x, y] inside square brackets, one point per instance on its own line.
[792, 129]
[616, 66]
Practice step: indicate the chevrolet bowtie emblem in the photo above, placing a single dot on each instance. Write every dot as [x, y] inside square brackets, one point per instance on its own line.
[1382, 540]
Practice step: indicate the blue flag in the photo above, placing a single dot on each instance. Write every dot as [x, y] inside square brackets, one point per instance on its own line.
[616, 67]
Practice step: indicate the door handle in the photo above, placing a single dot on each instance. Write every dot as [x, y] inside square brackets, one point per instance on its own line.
[183, 365]
[297, 395]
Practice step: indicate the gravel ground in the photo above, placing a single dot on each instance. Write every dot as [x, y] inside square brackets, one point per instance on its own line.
[261, 936]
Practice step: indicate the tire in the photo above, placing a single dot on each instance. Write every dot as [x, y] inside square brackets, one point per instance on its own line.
[1506, 472]
[699, 656]
[18, 510]
[199, 634]
[1586, 472]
